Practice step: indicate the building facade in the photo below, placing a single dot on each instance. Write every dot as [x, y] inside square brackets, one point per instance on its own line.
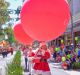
[75, 21]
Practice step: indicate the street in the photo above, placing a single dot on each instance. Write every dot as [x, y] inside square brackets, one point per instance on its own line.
[55, 70]
[54, 67]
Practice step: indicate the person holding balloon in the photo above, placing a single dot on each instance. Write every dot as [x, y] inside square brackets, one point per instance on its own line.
[43, 20]
[41, 66]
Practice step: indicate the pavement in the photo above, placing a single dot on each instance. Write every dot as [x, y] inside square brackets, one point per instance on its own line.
[4, 62]
[57, 70]
[54, 67]
[73, 72]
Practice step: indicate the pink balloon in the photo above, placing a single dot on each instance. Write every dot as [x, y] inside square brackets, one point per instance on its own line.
[45, 20]
[20, 34]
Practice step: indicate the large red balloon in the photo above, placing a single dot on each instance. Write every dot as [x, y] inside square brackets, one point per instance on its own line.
[45, 19]
[20, 34]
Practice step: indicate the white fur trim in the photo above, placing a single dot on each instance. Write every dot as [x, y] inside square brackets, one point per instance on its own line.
[41, 72]
[36, 71]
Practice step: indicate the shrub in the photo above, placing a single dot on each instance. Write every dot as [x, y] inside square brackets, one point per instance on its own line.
[15, 68]
[76, 65]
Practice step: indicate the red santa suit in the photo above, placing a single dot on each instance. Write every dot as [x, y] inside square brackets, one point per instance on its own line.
[31, 54]
[42, 67]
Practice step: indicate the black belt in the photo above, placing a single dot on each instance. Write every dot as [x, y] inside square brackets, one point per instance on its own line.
[43, 60]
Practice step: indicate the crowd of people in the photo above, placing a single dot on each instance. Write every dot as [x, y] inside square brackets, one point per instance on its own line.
[5, 48]
[66, 55]
[36, 61]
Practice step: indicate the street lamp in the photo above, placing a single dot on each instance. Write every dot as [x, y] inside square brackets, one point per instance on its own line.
[72, 25]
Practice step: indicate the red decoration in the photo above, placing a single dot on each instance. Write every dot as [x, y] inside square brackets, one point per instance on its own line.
[45, 19]
[20, 34]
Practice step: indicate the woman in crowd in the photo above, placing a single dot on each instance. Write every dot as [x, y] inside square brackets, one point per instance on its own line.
[30, 56]
[41, 66]
[4, 52]
[10, 50]
[25, 52]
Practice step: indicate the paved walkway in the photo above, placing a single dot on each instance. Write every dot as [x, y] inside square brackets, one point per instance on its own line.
[73, 72]
[55, 69]
[4, 62]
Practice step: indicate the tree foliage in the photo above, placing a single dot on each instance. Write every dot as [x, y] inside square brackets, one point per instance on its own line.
[9, 32]
[4, 15]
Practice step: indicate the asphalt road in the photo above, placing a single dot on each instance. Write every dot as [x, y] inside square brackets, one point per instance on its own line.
[55, 70]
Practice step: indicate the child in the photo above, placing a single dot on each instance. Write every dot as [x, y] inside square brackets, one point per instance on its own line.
[58, 59]
[65, 65]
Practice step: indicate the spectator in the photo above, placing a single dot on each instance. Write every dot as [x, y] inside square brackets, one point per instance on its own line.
[30, 57]
[10, 50]
[78, 53]
[4, 52]
[25, 52]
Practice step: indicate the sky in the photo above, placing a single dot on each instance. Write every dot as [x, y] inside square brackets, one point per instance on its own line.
[14, 3]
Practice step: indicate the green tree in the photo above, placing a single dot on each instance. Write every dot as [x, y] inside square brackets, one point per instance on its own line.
[9, 32]
[4, 15]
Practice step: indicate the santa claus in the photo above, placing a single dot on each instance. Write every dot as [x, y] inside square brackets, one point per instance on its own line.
[41, 66]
